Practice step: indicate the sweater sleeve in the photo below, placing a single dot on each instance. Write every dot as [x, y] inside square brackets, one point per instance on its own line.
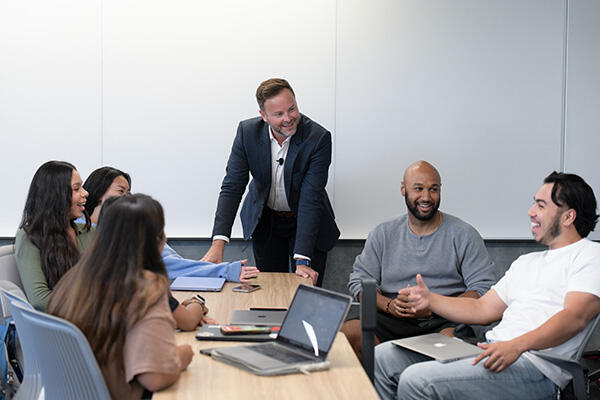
[477, 268]
[29, 265]
[367, 263]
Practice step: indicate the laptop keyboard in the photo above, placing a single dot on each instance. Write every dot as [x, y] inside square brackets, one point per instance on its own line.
[280, 353]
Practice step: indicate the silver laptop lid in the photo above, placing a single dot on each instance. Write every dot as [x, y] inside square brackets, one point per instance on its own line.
[313, 320]
[440, 347]
[198, 283]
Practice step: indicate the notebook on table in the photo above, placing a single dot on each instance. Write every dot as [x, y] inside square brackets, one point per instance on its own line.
[439, 347]
[198, 284]
[304, 341]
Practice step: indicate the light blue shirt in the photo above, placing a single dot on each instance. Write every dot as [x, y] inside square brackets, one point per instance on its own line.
[179, 266]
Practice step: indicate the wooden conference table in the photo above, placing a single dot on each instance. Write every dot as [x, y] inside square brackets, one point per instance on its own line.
[206, 378]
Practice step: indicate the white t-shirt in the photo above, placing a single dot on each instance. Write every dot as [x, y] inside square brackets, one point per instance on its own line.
[534, 289]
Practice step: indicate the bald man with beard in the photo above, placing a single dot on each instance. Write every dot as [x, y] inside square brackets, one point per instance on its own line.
[425, 240]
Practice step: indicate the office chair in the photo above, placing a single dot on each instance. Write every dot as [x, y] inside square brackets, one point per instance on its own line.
[67, 364]
[368, 321]
[577, 365]
[8, 266]
[31, 384]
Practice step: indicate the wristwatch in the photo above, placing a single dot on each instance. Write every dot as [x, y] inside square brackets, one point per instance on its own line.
[303, 261]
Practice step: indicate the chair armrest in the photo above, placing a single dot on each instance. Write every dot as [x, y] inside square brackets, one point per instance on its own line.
[571, 366]
[368, 322]
[368, 305]
[563, 362]
[551, 357]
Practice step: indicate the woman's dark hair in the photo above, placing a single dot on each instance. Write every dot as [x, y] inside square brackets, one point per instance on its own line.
[46, 218]
[571, 191]
[98, 183]
[98, 293]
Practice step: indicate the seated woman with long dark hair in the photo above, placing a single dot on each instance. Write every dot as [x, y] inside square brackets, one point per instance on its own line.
[49, 242]
[117, 295]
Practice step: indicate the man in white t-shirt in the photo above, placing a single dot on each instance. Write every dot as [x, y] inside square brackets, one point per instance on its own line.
[545, 301]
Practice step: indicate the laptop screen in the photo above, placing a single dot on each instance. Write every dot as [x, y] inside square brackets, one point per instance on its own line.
[313, 319]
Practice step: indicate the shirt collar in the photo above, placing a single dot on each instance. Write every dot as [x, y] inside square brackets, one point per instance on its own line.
[287, 139]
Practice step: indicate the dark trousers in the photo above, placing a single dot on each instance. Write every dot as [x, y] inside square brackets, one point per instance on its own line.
[273, 245]
[389, 327]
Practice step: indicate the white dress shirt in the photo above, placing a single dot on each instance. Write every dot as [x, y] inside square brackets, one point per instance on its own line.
[277, 199]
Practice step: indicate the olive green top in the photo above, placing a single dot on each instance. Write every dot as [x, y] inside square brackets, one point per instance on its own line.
[29, 265]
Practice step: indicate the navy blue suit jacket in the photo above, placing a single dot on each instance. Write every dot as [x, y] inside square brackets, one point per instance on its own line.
[305, 175]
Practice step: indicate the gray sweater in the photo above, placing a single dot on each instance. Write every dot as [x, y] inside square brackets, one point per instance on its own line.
[452, 260]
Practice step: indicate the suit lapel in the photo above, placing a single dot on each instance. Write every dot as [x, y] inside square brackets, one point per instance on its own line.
[293, 151]
[264, 141]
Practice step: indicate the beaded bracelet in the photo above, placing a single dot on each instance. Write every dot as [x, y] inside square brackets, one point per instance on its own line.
[387, 308]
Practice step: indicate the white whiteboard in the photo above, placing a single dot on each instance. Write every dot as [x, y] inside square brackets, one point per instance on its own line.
[583, 94]
[50, 94]
[180, 75]
[156, 88]
[473, 87]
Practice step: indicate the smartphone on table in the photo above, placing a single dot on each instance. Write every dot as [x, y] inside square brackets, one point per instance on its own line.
[244, 329]
[246, 288]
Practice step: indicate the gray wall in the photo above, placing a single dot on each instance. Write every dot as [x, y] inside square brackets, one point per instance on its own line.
[341, 258]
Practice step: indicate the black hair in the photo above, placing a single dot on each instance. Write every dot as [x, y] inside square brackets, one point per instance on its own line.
[110, 290]
[571, 191]
[46, 218]
[98, 182]
[138, 217]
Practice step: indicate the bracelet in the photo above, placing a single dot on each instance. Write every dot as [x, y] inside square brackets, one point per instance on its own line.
[194, 300]
[199, 298]
[387, 308]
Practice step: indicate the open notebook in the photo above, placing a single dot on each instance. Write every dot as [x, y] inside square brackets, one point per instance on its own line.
[304, 341]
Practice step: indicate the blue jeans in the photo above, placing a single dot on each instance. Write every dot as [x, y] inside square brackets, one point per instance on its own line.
[404, 374]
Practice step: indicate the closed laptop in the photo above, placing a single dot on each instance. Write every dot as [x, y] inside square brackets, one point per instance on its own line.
[439, 347]
[198, 284]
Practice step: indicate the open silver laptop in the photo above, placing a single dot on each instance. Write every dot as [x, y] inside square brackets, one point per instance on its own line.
[440, 347]
[304, 341]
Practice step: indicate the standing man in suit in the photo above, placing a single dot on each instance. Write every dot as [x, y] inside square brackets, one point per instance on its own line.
[287, 212]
